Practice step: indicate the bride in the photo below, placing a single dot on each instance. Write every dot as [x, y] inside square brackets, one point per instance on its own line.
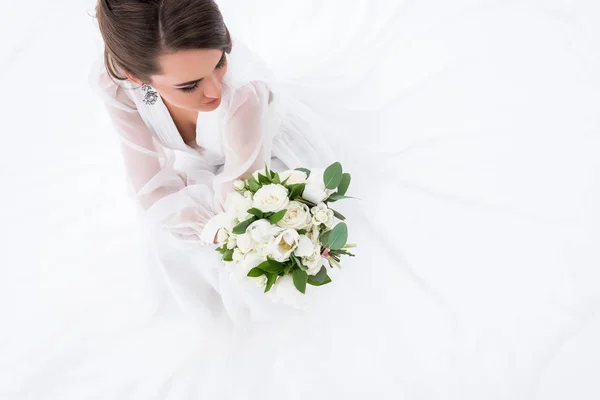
[197, 110]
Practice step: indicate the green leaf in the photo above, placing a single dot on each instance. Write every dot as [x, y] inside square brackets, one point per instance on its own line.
[228, 256]
[336, 196]
[271, 279]
[302, 232]
[320, 276]
[278, 216]
[296, 261]
[296, 190]
[333, 175]
[306, 171]
[338, 215]
[240, 228]
[255, 272]
[263, 179]
[315, 283]
[275, 178]
[256, 212]
[300, 278]
[253, 186]
[271, 266]
[344, 184]
[336, 238]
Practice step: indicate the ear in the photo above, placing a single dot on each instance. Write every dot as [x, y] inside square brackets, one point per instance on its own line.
[133, 78]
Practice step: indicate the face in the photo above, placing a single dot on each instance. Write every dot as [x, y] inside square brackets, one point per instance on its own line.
[191, 79]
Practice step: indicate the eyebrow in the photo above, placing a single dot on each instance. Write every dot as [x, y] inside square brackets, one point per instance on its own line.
[198, 80]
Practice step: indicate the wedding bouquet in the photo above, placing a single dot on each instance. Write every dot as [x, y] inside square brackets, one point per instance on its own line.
[280, 224]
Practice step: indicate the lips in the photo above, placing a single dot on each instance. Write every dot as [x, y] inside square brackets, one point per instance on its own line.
[211, 102]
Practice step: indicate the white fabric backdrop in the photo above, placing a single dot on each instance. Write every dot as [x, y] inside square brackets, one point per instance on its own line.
[74, 318]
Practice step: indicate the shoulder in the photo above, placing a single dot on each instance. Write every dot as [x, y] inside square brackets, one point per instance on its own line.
[111, 91]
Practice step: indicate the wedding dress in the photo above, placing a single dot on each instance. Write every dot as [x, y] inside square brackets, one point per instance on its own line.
[470, 130]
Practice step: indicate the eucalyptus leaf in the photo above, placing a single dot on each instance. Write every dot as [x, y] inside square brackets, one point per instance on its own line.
[336, 238]
[336, 196]
[315, 283]
[255, 272]
[320, 276]
[306, 171]
[278, 216]
[300, 278]
[240, 228]
[332, 175]
[344, 184]
[338, 215]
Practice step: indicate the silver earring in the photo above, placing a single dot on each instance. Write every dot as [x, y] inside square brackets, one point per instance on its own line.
[151, 95]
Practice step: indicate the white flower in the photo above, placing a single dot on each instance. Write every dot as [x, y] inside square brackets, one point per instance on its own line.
[260, 281]
[248, 194]
[237, 206]
[297, 216]
[271, 198]
[239, 185]
[293, 177]
[245, 243]
[313, 263]
[222, 236]
[238, 256]
[285, 292]
[262, 231]
[315, 190]
[281, 246]
[305, 248]
[322, 215]
[231, 243]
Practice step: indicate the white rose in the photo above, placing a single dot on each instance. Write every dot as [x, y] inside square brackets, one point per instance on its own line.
[262, 231]
[282, 245]
[297, 216]
[245, 243]
[315, 190]
[322, 215]
[271, 198]
[305, 248]
[239, 185]
[237, 206]
[293, 177]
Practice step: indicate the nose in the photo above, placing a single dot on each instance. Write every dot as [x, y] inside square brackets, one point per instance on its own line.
[212, 87]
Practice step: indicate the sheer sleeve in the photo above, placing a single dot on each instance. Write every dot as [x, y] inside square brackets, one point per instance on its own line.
[249, 129]
[187, 203]
[178, 202]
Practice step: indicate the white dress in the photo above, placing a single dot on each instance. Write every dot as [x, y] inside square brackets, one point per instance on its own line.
[347, 333]
[453, 285]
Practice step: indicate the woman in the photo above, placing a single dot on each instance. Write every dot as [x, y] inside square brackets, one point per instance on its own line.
[197, 111]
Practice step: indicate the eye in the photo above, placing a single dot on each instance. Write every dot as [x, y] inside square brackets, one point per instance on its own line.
[222, 61]
[189, 89]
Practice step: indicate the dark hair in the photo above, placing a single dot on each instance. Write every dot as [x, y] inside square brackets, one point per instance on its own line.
[136, 32]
